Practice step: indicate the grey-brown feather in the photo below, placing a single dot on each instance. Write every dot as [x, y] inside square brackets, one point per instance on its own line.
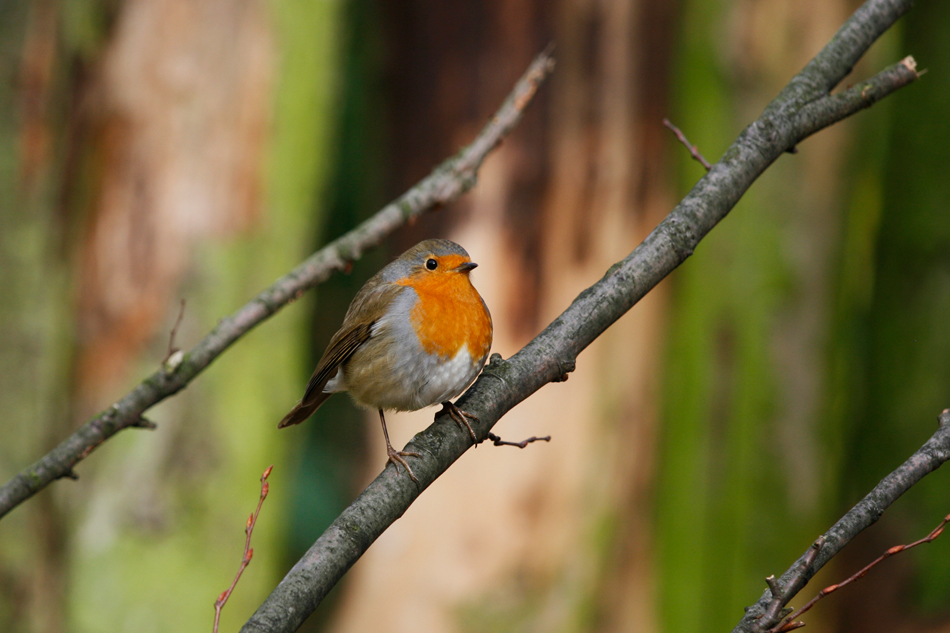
[370, 301]
[367, 307]
[302, 411]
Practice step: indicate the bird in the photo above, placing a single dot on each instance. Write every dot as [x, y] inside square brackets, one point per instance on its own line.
[416, 334]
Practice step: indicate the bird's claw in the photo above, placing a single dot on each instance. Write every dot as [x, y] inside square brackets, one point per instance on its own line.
[459, 416]
[396, 457]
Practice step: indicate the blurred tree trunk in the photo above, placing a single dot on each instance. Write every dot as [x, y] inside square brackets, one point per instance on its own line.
[33, 275]
[556, 536]
[150, 135]
[151, 150]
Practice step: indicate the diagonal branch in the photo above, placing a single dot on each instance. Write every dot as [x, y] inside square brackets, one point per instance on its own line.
[802, 108]
[789, 623]
[447, 182]
[765, 613]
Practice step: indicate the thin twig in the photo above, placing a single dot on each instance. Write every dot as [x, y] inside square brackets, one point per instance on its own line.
[497, 441]
[788, 623]
[248, 552]
[446, 183]
[693, 150]
[171, 337]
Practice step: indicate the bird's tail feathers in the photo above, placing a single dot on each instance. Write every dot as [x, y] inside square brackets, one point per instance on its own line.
[303, 410]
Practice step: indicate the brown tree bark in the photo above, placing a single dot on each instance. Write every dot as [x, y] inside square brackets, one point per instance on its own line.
[579, 185]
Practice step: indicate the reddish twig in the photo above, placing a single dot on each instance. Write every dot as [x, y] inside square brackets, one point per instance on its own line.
[171, 338]
[789, 622]
[693, 150]
[248, 552]
[497, 441]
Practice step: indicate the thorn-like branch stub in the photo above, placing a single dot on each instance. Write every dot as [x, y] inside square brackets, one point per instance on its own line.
[145, 423]
[794, 580]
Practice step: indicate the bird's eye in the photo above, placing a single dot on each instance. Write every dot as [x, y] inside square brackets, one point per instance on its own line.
[431, 264]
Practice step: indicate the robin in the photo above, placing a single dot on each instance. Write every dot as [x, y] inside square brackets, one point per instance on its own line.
[416, 334]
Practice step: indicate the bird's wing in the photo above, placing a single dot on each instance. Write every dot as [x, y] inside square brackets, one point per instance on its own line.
[366, 308]
[341, 347]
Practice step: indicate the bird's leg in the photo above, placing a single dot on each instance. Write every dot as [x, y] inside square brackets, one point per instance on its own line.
[459, 416]
[396, 457]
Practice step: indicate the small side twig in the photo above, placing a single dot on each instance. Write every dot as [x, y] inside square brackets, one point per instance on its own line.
[789, 622]
[248, 551]
[171, 337]
[780, 595]
[497, 441]
[693, 150]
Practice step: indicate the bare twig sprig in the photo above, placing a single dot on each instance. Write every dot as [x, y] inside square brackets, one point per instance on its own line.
[497, 441]
[789, 622]
[693, 150]
[446, 183]
[248, 552]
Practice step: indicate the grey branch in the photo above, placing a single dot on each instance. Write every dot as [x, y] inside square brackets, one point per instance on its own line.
[764, 614]
[802, 108]
[447, 182]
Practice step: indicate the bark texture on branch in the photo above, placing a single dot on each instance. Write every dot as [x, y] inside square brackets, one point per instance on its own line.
[447, 182]
[801, 109]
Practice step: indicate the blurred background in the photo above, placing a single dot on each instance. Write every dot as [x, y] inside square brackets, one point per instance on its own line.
[159, 150]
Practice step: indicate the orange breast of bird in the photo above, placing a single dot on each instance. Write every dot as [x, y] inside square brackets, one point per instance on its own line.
[450, 313]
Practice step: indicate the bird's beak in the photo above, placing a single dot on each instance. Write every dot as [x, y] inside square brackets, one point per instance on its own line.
[464, 268]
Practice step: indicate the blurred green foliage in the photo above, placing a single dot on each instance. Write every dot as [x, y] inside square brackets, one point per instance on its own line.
[330, 451]
[744, 485]
[731, 506]
[906, 360]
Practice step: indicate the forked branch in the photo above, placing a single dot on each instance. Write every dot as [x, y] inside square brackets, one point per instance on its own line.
[789, 623]
[766, 613]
